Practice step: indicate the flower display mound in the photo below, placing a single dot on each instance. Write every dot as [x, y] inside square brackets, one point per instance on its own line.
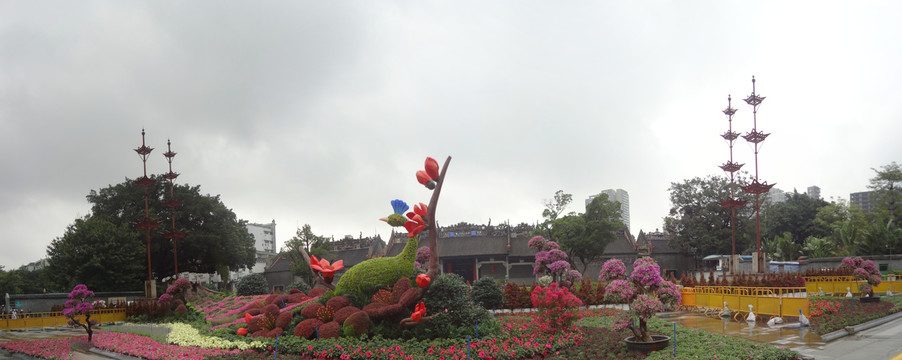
[644, 290]
[829, 314]
[228, 310]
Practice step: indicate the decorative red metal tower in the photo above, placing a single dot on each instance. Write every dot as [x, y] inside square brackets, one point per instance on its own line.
[172, 204]
[755, 187]
[147, 224]
[731, 167]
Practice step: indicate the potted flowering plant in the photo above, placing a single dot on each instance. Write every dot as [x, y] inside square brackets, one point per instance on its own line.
[646, 292]
[863, 270]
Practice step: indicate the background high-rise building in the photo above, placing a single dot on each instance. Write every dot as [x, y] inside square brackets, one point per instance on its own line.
[617, 195]
[776, 196]
[862, 200]
[814, 192]
[264, 242]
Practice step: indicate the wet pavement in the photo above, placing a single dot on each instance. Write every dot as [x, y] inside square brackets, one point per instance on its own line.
[786, 335]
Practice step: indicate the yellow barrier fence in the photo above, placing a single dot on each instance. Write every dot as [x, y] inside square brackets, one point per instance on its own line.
[773, 301]
[840, 285]
[56, 318]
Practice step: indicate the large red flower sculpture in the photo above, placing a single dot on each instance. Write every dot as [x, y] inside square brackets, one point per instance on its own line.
[430, 175]
[323, 265]
[417, 220]
[418, 312]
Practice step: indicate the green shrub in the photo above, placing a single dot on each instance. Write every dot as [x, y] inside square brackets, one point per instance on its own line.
[301, 285]
[454, 313]
[253, 284]
[487, 294]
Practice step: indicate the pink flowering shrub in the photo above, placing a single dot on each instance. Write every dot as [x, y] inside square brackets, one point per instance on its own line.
[79, 304]
[863, 270]
[550, 260]
[645, 291]
[557, 307]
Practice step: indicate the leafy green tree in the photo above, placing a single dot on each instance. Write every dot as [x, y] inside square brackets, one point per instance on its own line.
[845, 223]
[97, 252]
[699, 225]
[819, 247]
[783, 248]
[880, 238]
[215, 236]
[795, 215]
[585, 236]
[887, 187]
[554, 208]
[310, 243]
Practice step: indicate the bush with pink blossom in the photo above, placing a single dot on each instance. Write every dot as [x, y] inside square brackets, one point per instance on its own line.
[645, 291]
[863, 270]
[79, 303]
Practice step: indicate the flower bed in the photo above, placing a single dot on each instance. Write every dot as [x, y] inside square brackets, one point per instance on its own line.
[46, 349]
[835, 313]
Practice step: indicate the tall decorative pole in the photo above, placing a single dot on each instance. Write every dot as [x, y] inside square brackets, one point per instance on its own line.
[731, 167]
[147, 224]
[172, 204]
[755, 187]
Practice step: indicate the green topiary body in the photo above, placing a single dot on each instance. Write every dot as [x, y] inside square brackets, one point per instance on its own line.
[379, 272]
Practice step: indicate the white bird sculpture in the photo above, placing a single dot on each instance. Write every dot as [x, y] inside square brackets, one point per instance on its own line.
[751, 317]
[774, 321]
[726, 311]
[889, 292]
[848, 292]
[820, 291]
[803, 321]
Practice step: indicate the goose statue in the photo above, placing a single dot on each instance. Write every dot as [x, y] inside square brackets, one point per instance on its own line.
[774, 321]
[889, 292]
[848, 292]
[820, 291]
[751, 317]
[726, 311]
[803, 321]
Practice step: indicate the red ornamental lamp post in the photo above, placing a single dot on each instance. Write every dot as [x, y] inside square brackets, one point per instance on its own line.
[755, 187]
[147, 224]
[731, 167]
[172, 204]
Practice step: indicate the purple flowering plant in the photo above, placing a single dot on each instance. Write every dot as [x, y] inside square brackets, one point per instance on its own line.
[863, 270]
[644, 290]
[549, 258]
[79, 304]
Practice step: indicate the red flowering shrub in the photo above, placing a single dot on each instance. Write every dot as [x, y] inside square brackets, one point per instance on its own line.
[307, 328]
[284, 319]
[511, 296]
[181, 309]
[338, 302]
[309, 311]
[329, 330]
[401, 286]
[357, 324]
[342, 314]
[383, 297]
[317, 291]
[557, 307]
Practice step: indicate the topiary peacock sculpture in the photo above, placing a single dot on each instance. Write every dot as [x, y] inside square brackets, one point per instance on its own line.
[383, 272]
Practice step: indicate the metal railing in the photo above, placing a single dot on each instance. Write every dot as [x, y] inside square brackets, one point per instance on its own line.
[56, 318]
[773, 301]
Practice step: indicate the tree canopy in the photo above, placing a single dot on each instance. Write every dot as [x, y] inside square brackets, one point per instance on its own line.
[106, 240]
[699, 225]
[796, 215]
[887, 187]
[312, 244]
[585, 236]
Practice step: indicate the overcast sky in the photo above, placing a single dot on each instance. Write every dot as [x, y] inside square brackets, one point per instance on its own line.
[321, 112]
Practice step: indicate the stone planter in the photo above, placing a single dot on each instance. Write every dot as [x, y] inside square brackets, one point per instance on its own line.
[871, 299]
[658, 342]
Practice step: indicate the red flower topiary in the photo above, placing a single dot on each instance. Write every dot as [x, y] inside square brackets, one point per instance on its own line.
[324, 314]
[284, 319]
[242, 331]
[342, 314]
[329, 330]
[401, 286]
[317, 291]
[358, 322]
[309, 311]
[307, 328]
[338, 302]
